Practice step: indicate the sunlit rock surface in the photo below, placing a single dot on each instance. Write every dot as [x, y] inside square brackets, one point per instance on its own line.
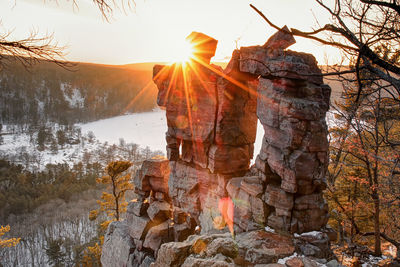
[206, 185]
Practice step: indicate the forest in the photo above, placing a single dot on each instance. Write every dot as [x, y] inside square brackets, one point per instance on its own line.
[49, 208]
[80, 93]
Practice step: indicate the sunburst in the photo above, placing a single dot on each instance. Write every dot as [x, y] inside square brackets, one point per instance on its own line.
[184, 52]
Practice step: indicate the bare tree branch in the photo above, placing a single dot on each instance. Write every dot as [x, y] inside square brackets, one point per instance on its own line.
[32, 49]
[381, 3]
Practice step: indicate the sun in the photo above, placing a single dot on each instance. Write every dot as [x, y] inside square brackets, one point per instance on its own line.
[184, 52]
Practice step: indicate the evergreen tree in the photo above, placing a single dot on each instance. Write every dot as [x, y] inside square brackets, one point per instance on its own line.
[54, 146]
[114, 203]
[61, 138]
[41, 138]
[55, 254]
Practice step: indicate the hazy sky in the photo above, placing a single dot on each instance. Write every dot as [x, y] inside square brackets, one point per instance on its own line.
[155, 28]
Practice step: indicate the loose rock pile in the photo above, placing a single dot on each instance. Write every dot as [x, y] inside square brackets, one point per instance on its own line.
[206, 183]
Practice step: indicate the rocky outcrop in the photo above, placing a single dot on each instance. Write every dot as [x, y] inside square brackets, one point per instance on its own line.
[118, 245]
[206, 184]
[254, 248]
[291, 105]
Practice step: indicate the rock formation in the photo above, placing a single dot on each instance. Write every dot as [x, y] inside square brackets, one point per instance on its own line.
[206, 185]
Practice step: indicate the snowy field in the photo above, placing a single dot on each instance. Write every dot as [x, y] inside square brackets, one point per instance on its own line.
[144, 129]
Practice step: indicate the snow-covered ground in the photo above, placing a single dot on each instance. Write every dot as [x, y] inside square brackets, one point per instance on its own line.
[144, 129]
[18, 149]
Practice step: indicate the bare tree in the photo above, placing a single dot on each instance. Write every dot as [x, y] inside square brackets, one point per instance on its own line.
[368, 33]
[30, 50]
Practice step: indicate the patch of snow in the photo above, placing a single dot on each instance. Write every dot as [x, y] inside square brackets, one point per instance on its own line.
[282, 261]
[72, 95]
[40, 106]
[373, 261]
[269, 229]
[312, 233]
[258, 142]
[144, 129]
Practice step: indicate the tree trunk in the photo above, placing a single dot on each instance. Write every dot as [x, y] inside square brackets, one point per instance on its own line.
[114, 186]
[377, 231]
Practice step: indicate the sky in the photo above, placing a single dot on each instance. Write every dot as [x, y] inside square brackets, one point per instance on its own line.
[154, 30]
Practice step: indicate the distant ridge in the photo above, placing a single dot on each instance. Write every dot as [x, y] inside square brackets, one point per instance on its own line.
[149, 65]
[46, 92]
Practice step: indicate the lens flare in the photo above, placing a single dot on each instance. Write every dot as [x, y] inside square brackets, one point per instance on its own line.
[226, 208]
[183, 52]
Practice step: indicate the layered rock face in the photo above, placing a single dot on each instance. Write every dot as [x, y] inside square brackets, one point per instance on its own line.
[212, 121]
[207, 185]
[291, 106]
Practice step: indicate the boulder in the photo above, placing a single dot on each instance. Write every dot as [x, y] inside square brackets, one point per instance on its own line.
[138, 226]
[259, 210]
[172, 254]
[155, 167]
[183, 230]
[197, 106]
[159, 184]
[312, 201]
[258, 60]
[204, 46]
[216, 261]
[315, 244]
[117, 245]
[157, 235]
[160, 196]
[137, 207]
[141, 182]
[294, 262]
[242, 210]
[148, 260]
[159, 211]
[252, 185]
[281, 40]
[225, 246]
[137, 258]
[278, 198]
[260, 247]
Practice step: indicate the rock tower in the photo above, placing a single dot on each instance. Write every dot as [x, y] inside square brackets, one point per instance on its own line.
[207, 185]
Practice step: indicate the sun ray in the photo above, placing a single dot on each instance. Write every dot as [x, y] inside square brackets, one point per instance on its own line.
[187, 96]
[142, 91]
[200, 75]
[230, 79]
[171, 84]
